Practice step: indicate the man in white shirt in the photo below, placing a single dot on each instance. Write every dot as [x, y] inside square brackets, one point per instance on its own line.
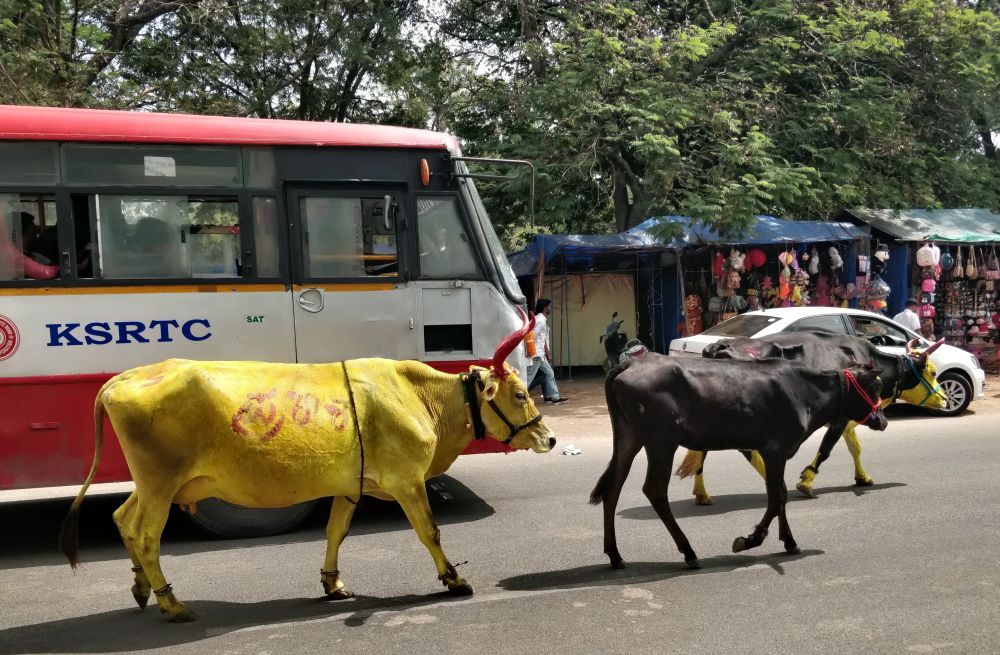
[540, 371]
[908, 317]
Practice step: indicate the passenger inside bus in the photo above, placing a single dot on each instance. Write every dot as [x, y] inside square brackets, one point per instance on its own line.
[152, 250]
[17, 251]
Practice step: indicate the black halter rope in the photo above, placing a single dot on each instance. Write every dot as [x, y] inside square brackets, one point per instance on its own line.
[469, 382]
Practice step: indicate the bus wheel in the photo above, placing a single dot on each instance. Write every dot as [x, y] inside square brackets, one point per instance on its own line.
[234, 521]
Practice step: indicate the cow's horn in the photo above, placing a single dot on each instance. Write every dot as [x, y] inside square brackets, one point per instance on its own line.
[507, 346]
[910, 344]
[931, 348]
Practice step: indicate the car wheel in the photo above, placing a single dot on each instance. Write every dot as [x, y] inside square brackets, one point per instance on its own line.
[234, 521]
[958, 391]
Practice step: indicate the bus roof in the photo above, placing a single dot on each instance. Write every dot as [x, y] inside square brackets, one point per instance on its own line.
[58, 124]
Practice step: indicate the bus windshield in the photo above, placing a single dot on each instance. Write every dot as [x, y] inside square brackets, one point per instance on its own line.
[503, 266]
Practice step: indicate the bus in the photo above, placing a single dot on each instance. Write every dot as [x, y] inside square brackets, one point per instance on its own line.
[129, 238]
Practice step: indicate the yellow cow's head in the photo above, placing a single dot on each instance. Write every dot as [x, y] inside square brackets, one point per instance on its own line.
[503, 407]
[927, 392]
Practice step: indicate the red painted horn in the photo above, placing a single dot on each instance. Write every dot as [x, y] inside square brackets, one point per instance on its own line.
[931, 348]
[507, 346]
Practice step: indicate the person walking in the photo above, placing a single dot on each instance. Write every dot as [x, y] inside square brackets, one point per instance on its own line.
[540, 370]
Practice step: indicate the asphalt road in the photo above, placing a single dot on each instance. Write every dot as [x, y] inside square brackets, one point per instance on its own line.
[909, 565]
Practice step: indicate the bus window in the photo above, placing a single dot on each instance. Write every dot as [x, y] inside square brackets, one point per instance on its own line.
[167, 236]
[445, 246]
[348, 237]
[29, 248]
[265, 236]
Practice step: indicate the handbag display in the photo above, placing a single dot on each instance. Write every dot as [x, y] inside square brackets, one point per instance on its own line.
[947, 261]
[992, 266]
[971, 270]
[958, 272]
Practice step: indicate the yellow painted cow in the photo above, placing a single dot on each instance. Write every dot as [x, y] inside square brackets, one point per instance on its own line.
[272, 435]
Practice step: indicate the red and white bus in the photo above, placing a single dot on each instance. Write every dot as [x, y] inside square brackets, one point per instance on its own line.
[128, 238]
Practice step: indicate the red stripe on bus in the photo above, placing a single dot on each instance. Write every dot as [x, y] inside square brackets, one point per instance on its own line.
[61, 124]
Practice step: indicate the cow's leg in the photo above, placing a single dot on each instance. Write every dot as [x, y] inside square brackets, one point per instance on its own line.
[142, 537]
[774, 463]
[123, 517]
[861, 477]
[413, 500]
[336, 531]
[609, 489]
[701, 496]
[809, 473]
[661, 459]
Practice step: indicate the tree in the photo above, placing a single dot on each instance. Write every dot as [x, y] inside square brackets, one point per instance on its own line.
[304, 59]
[52, 51]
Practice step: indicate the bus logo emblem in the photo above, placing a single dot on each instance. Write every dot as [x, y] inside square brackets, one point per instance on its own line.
[8, 337]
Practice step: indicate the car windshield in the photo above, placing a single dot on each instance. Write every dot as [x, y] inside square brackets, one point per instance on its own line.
[744, 325]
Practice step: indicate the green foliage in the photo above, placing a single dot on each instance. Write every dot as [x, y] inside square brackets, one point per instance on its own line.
[719, 110]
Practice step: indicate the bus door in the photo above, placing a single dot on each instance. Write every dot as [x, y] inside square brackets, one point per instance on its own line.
[348, 297]
[454, 301]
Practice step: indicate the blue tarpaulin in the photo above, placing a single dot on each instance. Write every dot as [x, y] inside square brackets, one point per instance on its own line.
[765, 230]
[577, 248]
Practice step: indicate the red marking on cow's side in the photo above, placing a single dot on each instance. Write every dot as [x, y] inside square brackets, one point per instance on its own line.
[335, 409]
[254, 410]
[305, 405]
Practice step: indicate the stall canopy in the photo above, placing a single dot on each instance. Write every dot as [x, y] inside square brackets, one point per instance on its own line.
[555, 250]
[558, 249]
[765, 230]
[957, 225]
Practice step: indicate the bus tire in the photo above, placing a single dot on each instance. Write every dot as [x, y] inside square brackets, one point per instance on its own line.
[230, 521]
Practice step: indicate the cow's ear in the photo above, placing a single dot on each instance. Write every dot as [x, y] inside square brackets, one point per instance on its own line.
[490, 386]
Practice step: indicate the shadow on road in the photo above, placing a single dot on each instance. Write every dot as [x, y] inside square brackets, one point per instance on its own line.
[643, 572]
[134, 629]
[738, 502]
[32, 530]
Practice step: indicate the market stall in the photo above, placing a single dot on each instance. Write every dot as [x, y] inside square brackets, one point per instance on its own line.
[778, 263]
[948, 260]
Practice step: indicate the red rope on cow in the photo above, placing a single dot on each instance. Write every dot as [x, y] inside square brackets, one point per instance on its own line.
[853, 382]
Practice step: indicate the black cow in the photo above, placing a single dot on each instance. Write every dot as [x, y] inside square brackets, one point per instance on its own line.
[910, 376]
[659, 403]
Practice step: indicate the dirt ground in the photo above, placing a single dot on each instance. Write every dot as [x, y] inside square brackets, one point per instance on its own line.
[585, 393]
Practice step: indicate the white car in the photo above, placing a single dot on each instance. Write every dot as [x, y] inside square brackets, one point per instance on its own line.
[959, 373]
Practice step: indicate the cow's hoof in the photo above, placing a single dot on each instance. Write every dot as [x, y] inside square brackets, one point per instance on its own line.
[183, 616]
[618, 564]
[141, 598]
[693, 563]
[806, 490]
[793, 550]
[739, 544]
[461, 588]
[703, 499]
[863, 482]
[339, 594]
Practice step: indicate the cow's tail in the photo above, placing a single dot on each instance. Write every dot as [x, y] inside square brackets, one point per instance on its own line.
[597, 495]
[690, 464]
[69, 533]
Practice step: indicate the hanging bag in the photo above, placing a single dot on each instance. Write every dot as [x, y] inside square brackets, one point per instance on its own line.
[959, 271]
[971, 272]
[947, 261]
[992, 266]
[925, 256]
